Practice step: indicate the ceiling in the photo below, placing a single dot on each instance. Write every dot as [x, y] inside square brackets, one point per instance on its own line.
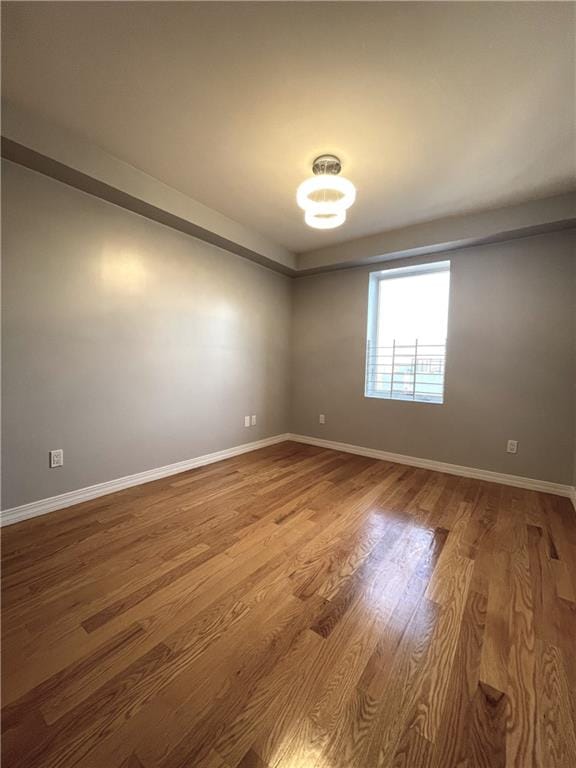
[434, 108]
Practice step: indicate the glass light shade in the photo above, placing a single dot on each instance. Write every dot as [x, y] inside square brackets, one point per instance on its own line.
[330, 183]
[325, 219]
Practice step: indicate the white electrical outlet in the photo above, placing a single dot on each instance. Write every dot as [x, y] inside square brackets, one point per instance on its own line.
[512, 446]
[253, 420]
[322, 419]
[246, 421]
[56, 458]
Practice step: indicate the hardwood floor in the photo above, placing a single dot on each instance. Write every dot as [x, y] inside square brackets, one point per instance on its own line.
[293, 608]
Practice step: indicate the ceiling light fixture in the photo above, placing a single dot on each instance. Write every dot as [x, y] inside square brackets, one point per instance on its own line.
[324, 220]
[326, 197]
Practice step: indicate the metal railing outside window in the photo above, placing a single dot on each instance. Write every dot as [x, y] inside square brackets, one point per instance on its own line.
[406, 371]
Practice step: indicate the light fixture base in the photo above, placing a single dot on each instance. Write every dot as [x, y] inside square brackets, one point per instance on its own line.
[327, 165]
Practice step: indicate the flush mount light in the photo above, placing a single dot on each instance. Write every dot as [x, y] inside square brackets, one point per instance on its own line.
[326, 197]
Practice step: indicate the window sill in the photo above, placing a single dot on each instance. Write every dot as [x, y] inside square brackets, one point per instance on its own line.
[407, 399]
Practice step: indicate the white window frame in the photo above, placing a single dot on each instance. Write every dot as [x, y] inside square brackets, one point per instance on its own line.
[375, 279]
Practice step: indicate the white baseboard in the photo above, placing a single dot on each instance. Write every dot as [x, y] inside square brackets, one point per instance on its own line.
[43, 506]
[439, 466]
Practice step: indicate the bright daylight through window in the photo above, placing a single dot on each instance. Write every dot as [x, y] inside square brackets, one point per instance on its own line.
[407, 330]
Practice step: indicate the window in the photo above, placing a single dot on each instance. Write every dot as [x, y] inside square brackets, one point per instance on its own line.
[407, 329]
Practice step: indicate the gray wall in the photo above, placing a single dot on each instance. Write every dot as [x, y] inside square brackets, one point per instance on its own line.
[127, 344]
[510, 366]
[574, 308]
[132, 346]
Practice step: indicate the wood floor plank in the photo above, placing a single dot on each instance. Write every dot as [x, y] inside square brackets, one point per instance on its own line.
[495, 648]
[272, 705]
[523, 736]
[556, 725]
[293, 606]
[452, 737]
[430, 696]
[486, 737]
[396, 682]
